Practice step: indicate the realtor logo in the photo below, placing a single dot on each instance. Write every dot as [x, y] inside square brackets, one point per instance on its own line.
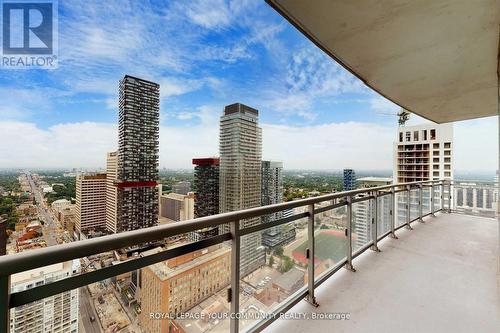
[29, 31]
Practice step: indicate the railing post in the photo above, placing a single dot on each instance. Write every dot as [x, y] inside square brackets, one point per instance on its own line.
[310, 256]
[449, 197]
[349, 265]
[420, 203]
[235, 276]
[441, 184]
[408, 197]
[374, 222]
[4, 303]
[393, 214]
[432, 199]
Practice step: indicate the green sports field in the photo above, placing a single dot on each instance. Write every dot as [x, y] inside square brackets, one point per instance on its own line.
[329, 245]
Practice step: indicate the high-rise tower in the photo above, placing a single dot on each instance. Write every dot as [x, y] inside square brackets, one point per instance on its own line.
[349, 180]
[206, 182]
[422, 152]
[240, 175]
[137, 197]
[272, 193]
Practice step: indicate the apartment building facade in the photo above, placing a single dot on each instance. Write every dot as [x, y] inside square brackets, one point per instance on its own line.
[349, 180]
[177, 207]
[364, 211]
[175, 286]
[422, 152]
[272, 193]
[206, 200]
[90, 206]
[111, 190]
[240, 175]
[138, 148]
[58, 313]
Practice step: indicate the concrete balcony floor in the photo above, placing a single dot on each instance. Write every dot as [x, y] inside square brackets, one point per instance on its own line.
[440, 277]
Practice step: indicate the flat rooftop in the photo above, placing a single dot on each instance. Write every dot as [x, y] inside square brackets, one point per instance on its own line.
[440, 277]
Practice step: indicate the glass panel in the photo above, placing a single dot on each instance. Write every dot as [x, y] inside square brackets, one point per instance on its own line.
[437, 197]
[267, 285]
[401, 199]
[414, 209]
[384, 214]
[187, 291]
[330, 240]
[362, 223]
[426, 203]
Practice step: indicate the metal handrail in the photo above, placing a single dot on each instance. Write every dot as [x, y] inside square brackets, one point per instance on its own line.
[20, 262]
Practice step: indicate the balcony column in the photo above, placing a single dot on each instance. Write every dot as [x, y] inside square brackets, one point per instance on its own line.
[420, 203]
[408, 197]
[474, 197]
[310, 257]
[374, 222]
[393, 214]
[235, 276]
[348, 230]
[4, 303]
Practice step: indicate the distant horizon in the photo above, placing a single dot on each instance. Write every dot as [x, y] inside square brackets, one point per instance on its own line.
[361, 171]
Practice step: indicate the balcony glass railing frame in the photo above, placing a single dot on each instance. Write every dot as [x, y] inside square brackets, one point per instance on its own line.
[20, 262]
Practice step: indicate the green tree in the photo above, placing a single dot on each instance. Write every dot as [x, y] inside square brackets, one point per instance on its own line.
[286, 264]
[271, 261]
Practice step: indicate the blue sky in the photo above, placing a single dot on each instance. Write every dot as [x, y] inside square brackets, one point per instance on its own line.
[204, 54]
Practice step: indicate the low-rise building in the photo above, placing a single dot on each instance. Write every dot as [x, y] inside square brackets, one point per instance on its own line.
[176, 285]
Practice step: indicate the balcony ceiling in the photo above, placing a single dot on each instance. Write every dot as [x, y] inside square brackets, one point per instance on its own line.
[438, 59]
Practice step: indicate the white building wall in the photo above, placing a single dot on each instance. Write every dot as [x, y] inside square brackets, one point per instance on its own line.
[58, 313]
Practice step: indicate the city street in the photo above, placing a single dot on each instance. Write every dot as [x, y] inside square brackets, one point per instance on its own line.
[86, 311]
[49, 227]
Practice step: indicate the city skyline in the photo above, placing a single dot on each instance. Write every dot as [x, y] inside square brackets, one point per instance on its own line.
[307, 101]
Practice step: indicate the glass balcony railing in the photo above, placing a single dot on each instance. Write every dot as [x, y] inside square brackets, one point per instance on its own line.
[231, 281]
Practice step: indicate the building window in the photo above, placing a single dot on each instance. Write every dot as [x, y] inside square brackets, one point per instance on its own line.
[415, 136]
[436, 146]
[433, 134]
[408, 136]
[425, 134]
[400, 136]
[447, 145]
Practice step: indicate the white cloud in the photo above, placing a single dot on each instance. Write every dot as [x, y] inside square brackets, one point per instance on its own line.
[210, 14]
[381, 105]
[362, 146]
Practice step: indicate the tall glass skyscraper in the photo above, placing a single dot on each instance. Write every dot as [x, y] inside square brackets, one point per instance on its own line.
[240, 175]
[349, 180]
[138, 142]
